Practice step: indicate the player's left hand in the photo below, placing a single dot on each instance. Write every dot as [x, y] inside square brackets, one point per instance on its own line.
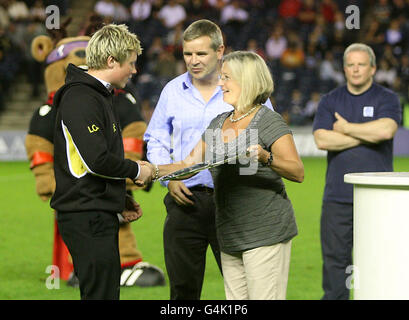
[133, 210]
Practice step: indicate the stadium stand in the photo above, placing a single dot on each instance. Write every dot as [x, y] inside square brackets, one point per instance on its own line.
[301, 40]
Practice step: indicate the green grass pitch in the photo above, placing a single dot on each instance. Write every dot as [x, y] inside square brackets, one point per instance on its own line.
[26, 235]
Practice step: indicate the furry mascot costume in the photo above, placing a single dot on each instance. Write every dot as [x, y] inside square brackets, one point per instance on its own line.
[57, 52]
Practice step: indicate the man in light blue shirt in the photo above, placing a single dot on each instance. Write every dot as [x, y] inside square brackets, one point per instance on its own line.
[178, 122]
[185, 108]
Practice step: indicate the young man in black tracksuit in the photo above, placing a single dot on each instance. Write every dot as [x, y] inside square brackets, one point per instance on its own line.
[90, 169]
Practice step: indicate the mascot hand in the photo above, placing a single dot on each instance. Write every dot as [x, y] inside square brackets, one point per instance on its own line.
[130, 185]
[45, 181]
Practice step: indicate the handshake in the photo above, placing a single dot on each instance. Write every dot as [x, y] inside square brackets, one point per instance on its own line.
[148, 172]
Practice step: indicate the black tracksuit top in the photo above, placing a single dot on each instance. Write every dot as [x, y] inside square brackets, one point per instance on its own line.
[89, 164]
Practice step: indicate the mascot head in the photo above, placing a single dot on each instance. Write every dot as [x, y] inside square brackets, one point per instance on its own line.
[57, 51]
[57, 58]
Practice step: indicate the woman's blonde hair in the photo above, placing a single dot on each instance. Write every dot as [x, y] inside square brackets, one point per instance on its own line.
[253, 76]
[111, 40]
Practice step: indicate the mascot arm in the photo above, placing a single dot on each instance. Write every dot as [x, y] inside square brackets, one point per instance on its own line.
[40, 152]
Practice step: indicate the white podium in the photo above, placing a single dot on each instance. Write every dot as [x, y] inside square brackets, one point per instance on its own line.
[381, 235]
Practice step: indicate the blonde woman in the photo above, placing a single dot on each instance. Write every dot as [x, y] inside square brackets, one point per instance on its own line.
[254, 218]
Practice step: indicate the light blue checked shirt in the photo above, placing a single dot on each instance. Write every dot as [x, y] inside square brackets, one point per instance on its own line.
[178, 122]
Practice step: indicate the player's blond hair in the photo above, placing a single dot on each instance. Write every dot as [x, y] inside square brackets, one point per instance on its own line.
[111, 40]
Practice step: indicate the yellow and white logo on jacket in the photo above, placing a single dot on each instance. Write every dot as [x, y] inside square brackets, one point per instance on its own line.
[77, 165]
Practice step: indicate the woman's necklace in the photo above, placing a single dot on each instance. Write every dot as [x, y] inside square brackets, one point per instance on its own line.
[243, 116]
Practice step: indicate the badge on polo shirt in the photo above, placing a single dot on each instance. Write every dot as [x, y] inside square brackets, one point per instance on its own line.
[368, 111]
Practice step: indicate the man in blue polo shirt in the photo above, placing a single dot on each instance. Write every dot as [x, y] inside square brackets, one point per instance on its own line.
[355, 123]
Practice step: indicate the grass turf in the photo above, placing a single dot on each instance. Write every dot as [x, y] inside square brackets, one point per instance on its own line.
[26, 235]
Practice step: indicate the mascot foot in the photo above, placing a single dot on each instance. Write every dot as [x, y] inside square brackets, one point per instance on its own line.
[142, 274]
[73, 281]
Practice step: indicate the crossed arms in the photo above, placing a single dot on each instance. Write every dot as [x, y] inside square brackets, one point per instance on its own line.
[346, 134]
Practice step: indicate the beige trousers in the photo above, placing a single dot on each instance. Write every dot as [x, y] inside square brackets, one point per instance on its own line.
[257, 274]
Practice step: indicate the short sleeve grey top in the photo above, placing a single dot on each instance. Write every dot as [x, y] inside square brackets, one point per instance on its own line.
[252, 207]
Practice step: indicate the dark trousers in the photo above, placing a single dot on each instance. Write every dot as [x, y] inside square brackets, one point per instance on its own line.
[92, 239]
[188, 231]
[336, 244]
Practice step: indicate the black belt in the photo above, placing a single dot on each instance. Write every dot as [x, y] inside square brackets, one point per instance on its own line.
[202, 189]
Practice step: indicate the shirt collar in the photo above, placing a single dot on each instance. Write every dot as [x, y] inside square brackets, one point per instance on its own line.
[187, 82]
[106, 84]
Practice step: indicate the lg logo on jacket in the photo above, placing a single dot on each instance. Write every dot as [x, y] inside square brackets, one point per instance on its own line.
[93, 128]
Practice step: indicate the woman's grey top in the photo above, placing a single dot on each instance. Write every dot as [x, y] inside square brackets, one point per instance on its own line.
[252, 207]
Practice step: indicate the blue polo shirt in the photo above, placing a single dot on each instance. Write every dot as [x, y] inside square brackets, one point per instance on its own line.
[375, 103]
